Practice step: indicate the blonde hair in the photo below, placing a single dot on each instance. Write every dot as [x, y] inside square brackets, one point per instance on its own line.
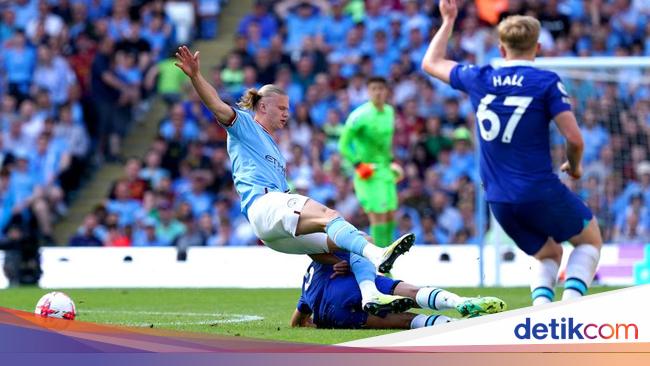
[519, 33]
[251, 98]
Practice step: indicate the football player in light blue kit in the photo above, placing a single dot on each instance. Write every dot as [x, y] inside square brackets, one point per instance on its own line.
[514, 107]
[288, 223]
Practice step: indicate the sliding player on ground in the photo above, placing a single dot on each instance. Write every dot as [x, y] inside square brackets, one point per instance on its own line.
[331, 298]
[514, 107]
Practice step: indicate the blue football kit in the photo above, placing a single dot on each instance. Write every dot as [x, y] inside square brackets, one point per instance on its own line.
[336, 302]
[514, 106]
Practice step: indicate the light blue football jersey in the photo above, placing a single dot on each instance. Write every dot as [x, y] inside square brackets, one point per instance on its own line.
[257, 164]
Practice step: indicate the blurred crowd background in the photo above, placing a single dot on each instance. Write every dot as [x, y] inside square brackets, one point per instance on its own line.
[77, 75]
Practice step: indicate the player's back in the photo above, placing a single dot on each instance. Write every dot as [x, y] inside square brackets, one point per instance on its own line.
[514, 106]
[328, 297]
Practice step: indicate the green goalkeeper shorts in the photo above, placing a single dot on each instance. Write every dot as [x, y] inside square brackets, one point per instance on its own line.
[377, 194]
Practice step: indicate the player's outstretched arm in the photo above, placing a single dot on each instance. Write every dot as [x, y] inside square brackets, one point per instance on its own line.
[568, 126]
[434, 62]
[190, 65]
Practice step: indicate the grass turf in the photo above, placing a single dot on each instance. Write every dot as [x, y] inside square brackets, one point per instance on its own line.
[258, 313]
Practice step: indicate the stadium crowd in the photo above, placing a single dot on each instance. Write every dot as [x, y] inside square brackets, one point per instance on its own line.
[75, 76]
[321, 52]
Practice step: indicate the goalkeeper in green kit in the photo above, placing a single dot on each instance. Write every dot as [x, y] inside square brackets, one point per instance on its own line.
[366, 142]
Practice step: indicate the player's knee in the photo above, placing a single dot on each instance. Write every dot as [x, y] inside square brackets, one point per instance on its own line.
[589, 235]
[330, 214]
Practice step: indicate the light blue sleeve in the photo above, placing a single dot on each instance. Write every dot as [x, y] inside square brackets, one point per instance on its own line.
[243, 126]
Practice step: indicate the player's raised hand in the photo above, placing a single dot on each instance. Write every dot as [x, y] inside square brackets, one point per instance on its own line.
[187, 62]
[448, 9]
[574, 173]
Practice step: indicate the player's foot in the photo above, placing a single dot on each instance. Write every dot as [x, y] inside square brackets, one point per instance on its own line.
[399, 247]
[477, 306]
[382, 304]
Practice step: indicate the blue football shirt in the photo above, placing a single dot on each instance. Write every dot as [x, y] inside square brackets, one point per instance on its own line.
[314, 284]
[514, 106]
[257, 164]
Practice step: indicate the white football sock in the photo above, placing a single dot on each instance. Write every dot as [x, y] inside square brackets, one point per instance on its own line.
[436, 299]
[421, 320]
[368, 290]
[543, 278]
[373, 253]
[580, 270]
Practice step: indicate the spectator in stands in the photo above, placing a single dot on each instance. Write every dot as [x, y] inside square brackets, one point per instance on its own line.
[448, 217]
[166, 79]
[8, 25]
[157, 34]
[168, 228]
[406, 224]
[51, 23]
[137, 187]
[145, 234]
[632, 231]
[197, 197]
[178, 127]
[302, 20]
[19, 62]
[107, 89]
[594, 135]
[428, 229]
[336, 26]
[89, 234]
[124, 206]
[462, 158]
[152, 172]
[78, 143]
[260, 16]
[191, 237]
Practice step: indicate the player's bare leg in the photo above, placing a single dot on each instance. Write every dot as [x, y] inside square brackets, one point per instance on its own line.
[315, 217]
[583, 261]
[544, 267]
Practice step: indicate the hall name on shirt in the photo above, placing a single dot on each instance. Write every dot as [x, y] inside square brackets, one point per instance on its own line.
[508, 80]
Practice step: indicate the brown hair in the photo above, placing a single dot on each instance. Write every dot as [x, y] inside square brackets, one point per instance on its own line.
[252, 96]
[377, 79]
[519, 33]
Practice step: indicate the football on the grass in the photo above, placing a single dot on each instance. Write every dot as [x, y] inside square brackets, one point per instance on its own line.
[56, 305]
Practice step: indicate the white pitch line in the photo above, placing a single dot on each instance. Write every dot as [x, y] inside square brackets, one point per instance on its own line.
[111, 311]
[203, 322]
[233, 318]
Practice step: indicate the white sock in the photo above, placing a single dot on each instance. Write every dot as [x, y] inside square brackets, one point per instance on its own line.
[421, 320]
[368, 290]
[543, 278]
[580, 270]
[373, 253]
[436, 299]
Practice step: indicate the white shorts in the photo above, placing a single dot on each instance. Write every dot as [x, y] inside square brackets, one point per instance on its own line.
[274, 218]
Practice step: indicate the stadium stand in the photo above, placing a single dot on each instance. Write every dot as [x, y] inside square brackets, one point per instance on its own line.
[321, 52]
[75, 77]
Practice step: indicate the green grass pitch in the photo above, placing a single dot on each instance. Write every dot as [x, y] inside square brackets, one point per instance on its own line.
[252, 313]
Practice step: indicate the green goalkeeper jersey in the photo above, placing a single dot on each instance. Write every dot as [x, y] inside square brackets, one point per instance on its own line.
[368, 135]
